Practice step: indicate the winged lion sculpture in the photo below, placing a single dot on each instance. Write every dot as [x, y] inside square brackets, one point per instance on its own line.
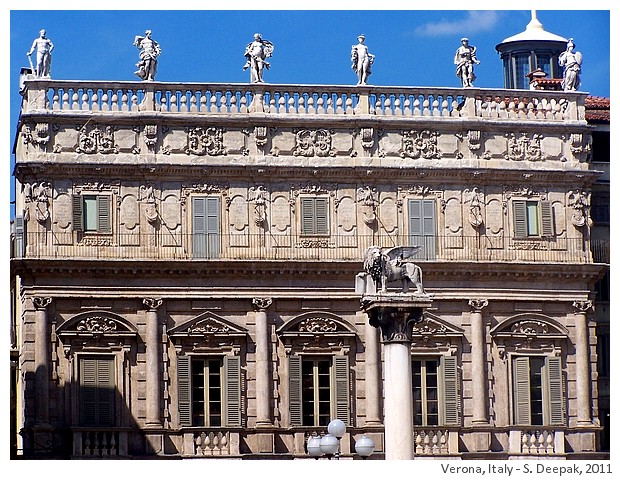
[391, 264]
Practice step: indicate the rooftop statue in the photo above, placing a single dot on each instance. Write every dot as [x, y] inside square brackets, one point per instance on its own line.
[149, 51]
[256, 54]
[391, 264]
[464, 59]
[44, 47]
[361, 60]
[571, 61]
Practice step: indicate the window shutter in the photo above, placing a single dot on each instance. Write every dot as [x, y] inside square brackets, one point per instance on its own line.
[19, 236]
[520, 218]
[546, 214]
[78, 217]
[422, 227]
[307, 216]
[199, 227]
[88, 392]
[341, 370]
[521, 374]
[232, 374]
[104, 223]
[321, 216]
[105, 392]
[450, 391]
[97, 392]
[212, 225]
[184, 390]
[554, 391]
[294, 389]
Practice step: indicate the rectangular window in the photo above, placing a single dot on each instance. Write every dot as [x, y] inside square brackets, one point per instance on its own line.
[318, 390]
[435, 392]
[599, 208]
[97, 391]
[422, 227]
[537, 389]
[92, 213]
[209, 391]
[532, 218]
[206, 227]
[314, 216]
[522, 68]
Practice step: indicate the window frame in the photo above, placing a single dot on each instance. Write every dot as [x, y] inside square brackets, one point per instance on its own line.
[102, 215]
[448, 391]
[522, 218]
[97, 397]
[312, 221]
[206, 242]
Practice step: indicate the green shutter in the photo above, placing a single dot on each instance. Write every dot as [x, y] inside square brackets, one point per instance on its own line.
[519, 209]
[341, 378]
[546, 214]
[294, 390]
[206, 226]
[422, 227]
[321, 205]
[213, 226]
[19, 236]
[554, 391]
[78, 218]
[232, 374]
[449, 372]
[521, 373]
[97, 392]
[104, 223]
[184, 390]
[307, 216]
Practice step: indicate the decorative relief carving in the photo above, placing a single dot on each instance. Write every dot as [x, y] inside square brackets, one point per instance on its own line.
[420, 144]
[40, 136]
[205, 141]
[475, 200]
[261, 303]
[524, 147]
[258, 195]
[317, 324]
[368, 197]
[208, 326]
[96, 325]
[96, 140]
[478, 304]
[530, 327]
[150, 136]
[314, 243]
[309, 143]
[41, 303]
[152, 303]
[582, 306]
[97, 242]
[474, 139]
[578, 200]
[312, 188]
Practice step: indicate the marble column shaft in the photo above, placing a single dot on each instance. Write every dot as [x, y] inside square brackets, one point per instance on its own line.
[263, 383]
[41, 360]
[582, 347]
[478, 363]
[153, 363]
[372, 364]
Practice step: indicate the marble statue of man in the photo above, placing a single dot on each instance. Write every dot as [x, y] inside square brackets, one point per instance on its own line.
[571, 61]
[149, 51]
[256, 53]
[361, 60]
[43, 47]
[465, 59]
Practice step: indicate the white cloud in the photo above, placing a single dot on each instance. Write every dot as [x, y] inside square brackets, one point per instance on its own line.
[474, 22]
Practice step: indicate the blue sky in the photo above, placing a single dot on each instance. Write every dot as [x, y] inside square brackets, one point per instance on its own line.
[412, 47]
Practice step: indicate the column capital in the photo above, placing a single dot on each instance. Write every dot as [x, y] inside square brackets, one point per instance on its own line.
[478, 304]
[152, 303]
[261, 304]
[582, 306]
[41, 303]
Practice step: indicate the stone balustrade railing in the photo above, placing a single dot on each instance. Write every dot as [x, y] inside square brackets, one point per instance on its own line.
[265, 99]
[531, 441]
[99, 443]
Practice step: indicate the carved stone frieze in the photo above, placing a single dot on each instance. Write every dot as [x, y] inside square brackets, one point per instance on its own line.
[524, 147]
[205, 141]
[96, 139]
[317, 324]
[310, 143]
[96, 186]
[530, 327]
[314, 243]
[207, 326]
[420, 144]
[313, 188]
[96, 324]
[39, 136]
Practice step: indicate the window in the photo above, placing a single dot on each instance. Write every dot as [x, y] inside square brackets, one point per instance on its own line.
[92, 214]
[537, 391]
[206, 227]
[422, 227]
[599, 208]
[435, 397]
[532, 218]
[522, 68]
[97, 391]
[314, 218]
[318, 390]
[209, 390]
[601, 147]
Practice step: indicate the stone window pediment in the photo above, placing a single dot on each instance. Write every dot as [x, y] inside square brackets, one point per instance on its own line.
[317, 331]
[96, 323]
[434, 332]
[208, 332]
[529, 332]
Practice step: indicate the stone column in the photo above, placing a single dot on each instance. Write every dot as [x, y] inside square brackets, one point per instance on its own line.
[372, 364]
[41, 361]
[582, 361]
[153, 364]
[478, 362]
[263, 383]
[395, 316]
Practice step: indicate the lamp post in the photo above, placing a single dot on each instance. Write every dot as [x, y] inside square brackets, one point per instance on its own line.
[329, 444]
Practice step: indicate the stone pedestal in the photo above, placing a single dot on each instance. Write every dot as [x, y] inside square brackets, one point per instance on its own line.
[395, 314]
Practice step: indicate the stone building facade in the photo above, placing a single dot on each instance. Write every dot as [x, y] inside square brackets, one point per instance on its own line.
[184, 265]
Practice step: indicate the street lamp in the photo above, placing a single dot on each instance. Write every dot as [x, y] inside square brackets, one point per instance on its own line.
[329, 444]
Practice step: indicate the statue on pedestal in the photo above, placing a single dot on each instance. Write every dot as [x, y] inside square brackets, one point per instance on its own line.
[464, 59]
[362, 60]
[44, 47]
[571, 61]
[149, 51]
[256, 54]
[391, 264]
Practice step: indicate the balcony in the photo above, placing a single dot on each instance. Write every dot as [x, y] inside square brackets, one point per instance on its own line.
[50, 245]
